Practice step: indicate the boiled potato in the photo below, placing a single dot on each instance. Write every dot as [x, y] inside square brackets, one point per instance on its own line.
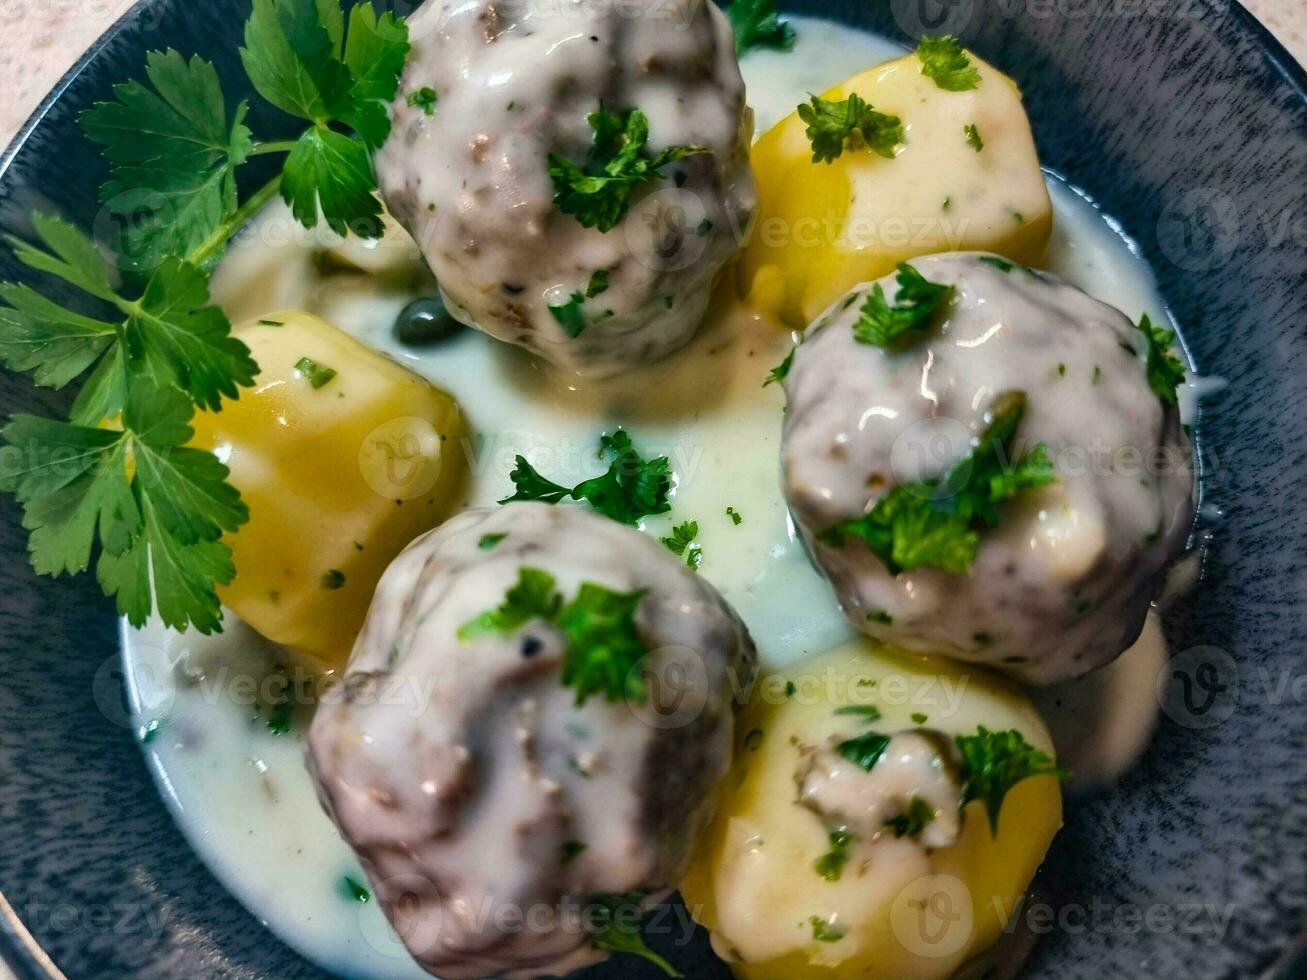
[899, 908]
[340, 471]
[824, 228]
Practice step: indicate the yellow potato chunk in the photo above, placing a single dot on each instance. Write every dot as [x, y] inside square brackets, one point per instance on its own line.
[824, 228]
[898, 910]
[340, 471]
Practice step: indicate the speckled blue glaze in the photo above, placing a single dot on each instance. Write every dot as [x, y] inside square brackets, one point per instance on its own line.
[1189, 124]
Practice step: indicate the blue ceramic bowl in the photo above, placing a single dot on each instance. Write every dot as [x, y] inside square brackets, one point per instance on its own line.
[1188, 122]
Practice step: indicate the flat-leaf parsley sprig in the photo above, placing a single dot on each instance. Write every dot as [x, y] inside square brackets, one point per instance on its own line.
[117, 483]
[938, 523]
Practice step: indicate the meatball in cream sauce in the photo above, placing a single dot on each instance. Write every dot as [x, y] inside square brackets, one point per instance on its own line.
[497, 95]
[1062, 583]
[490, 806]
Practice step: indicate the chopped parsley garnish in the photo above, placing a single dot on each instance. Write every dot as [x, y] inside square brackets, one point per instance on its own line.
[533, 597]
[918, 718]
[1002, 265]
[753, 740]
[598, 283]
[782, 370]
[869, 713]
[424, 99]
[632, 488]
[570, 315]
[488, 541]
[705, 226]
[912, 314]
[734, 515]
[994, 762]
[333, 579]
[623, 936]
[603, 642]
[865, 750]
[279, 718]
[299, 58]
[824, 931]
[937, 523]
[598, 193]
[354, 891]
[318, 375]
[973, 137]
[833, 126]
[913, 822]
[880, 616]
[149, 511]
[271, 323]
[682, 537]
[831, 864]
[1165, 369]
[573, 849]
[945, 63]
[758, 25]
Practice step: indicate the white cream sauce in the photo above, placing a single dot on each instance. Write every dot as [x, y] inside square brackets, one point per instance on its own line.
[242, 795]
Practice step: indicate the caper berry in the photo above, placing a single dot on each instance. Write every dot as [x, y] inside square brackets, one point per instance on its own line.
[425, 321]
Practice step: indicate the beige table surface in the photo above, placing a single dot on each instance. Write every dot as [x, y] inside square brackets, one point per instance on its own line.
[40, 39]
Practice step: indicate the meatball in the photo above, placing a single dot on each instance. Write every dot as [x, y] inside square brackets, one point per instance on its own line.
[490, 800]
[496, 94]
[1061, 581]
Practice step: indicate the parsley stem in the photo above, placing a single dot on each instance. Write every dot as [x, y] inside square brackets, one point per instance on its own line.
[274, 146]
[234, 222]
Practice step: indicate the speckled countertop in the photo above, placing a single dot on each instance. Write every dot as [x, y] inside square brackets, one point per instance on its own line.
[40, 39]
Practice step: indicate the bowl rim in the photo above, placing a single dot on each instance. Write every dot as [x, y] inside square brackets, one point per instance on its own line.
[20, 951]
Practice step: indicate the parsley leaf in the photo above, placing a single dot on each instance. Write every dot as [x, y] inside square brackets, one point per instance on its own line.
[603, 644]
[570, 316]
[156, 507]
[617, 937]
[995, 762]
[533, 597]
[683, 536]
[172, 151]
[758, 25]
[865, 750]
[317, 375]
[945, 63]
[824, 931]
[973, 137]
[914, 820]
[831, 864]
[912, 314]
[834, 125]
[936, 523]
[782, 370]
[1165, 369]
[598, 193]
[423, 98]
[296, 56]
[632, 488]
[169, 335]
